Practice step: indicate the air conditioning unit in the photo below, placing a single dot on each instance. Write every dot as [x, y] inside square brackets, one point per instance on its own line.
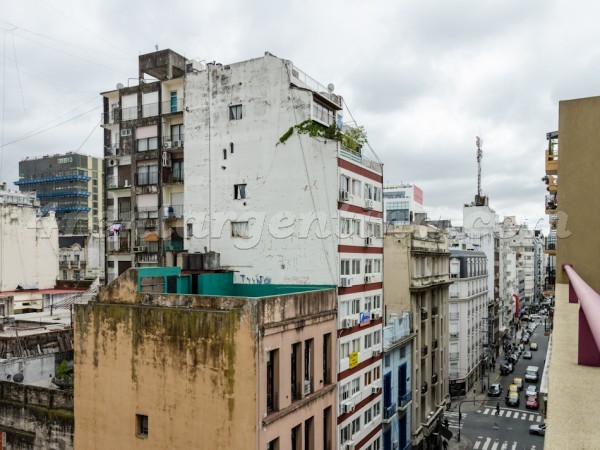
[346, 282]
[126, 132]
[353, 322]
[348, 446]
[139, 249]
[344, 196]
[375, 316]
[369, 279]
[368, 203]
[369, 240]
[167, 144]
[177, 144]
[375, 389]
[376, 352]
[347, 407]
[166, 159]
[113, 162]
[346, 323]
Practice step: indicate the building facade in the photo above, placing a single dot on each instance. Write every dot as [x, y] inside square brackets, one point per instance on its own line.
[143, 150]
[469, 336]
[401, 202]
[416, 267]
[196, 360]
[70, 185]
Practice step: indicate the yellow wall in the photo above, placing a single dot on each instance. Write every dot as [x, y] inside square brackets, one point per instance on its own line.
[190, 371]
[578, 171]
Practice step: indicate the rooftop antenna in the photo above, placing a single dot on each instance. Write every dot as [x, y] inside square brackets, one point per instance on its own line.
[478, 142]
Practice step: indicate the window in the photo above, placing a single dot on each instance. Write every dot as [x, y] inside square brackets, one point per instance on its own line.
[177, 132]
[377, 266]
[368, 416]
[355, 426]
[345, 434]
[190, 229]
[344, 183]
[356, 267]
[356, 227]
[146, 144]
[239, 191]
[344, 227]
[76, 275]
[65, 277]
[368, 266]
[367, 303]
[368, 342]
[355, 385]
[141, 425]
[345, 349]
[235, 112]
[376, 301]
[356, 188]
[356, 345]
[240, 229]
[345, 267]
[272, 380]
[177, 171]
[344, 308]
[355, 306]
[367, 379]
[147, 175]
[376, 409]
[273, 445]
[344, 392]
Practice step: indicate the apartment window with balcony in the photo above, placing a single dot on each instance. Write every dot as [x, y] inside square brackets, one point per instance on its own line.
[177, 132]
[177, 171]
[235, 112]
[272, 380]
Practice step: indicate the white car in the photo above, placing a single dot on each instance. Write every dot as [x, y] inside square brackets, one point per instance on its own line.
[538, 429]
[531, 390]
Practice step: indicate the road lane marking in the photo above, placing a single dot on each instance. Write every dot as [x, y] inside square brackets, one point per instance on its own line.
[487, 411]
[486, 444]
[524, 416]
[495, 446]
[514, 446]
[539, 419]
[531, 417]
[476, 446]
[504, 445]
[501, 412]
[508, 413]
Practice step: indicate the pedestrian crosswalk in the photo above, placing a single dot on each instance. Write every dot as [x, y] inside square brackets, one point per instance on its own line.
[483, 443]
[514, 414]
[453, 419]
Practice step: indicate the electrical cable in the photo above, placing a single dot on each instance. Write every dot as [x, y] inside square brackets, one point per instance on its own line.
[18, 72]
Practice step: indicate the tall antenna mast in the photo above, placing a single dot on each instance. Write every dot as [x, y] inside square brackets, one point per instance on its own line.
[478, 142]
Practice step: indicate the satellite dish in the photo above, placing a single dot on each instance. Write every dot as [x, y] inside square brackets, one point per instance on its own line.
[18, 378]
[330, 87]
[120, 86]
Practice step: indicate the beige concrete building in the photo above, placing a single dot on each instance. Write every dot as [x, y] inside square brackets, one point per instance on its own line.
[167, 360]
[417, 279]
[572, 410]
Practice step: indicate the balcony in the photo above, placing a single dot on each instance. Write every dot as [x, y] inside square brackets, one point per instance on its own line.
[423, 314]
[552, 162]
[120, 246]
[434, 379]
[389, 412]
[434, 344]
[434, 311]
[172, 106]
[454, 316]
[553, 184]
[424, 351]
[424, 388]
[551, 204]
[111, 118]
[404, 400]
[173, 212]
[453, 355]
[324, 93]
[130, 113]
[174, 141]
[170, 245]
[397, 329]
[453, 335]
[114, 182]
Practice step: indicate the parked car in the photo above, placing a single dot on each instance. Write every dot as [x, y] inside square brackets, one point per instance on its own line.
[527, 355]
[533, 346]
[508, 365]
[519, 382]
[532, 402]
[538, 429]
[531, 390]
[513, 388]
[504, 369]
[512, 399]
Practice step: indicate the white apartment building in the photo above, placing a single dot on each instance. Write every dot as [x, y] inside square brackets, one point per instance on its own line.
[274, 187]
[468, 313]
[28, 249]
[401, 202]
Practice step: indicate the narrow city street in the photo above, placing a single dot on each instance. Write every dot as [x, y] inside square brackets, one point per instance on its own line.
[483, 429]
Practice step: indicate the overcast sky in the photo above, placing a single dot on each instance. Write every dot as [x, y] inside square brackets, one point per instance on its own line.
[423, 77]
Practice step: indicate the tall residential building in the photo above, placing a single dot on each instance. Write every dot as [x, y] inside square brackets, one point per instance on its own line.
[274, 183]
[166, 359]
[70, 185]
[401, 202]
[551, 179]
[573, 360]
[469, 352]
[143, 151]
[286, 196]
[416, 267]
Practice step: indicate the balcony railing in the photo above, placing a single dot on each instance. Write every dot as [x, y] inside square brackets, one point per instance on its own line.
[424, 351]
[389, 412]
[173, 212]
[434, 344]
[170, 245]
[130, 113]
[434, 378]
[453, 355]
[150, 110]
[454, 335]
[551, 204]
[423, 314]
[434, 311]
[454, 316]
[397, 328]
[589, 318]
[424, 388]
[317, 87]
[403, 400]
[172, 106]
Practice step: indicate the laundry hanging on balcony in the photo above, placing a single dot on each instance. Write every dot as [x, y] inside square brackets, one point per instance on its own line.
[114, 228]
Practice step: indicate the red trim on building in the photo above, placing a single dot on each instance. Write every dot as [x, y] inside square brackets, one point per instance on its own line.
[368, 437]
[349, 372]
[359, 170]
[347, 331]
[358, 406]
[359, 288]
[359, 249]
[358, 210]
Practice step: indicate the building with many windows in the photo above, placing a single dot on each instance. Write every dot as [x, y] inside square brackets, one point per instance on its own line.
[401, 202]
[166, 359]
[416, 268]
[468, 314]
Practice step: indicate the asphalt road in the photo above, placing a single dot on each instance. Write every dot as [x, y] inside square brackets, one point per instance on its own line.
[510, 429]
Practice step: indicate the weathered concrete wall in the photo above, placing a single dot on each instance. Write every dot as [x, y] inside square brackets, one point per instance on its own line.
[190, 371]
[33, 417]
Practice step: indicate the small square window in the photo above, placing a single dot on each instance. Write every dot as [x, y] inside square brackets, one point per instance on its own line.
[239, 191]
[190, 230]
[235, 112]
[141, 425]
[240, 229]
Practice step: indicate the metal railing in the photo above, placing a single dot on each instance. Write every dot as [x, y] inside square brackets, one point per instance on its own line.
[389, 411]
[423, 351]
[403, 400]
[589, 318]
[130, 113]
[313, 84]
[454, 315]
[453, 355]
[150, 110]
[454, 335]
[172, 106]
